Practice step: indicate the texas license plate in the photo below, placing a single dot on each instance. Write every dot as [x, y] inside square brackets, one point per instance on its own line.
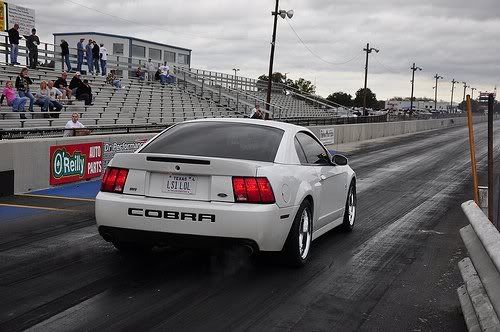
[180, 184]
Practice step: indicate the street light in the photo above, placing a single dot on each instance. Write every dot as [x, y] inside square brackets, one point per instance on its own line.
[465, 88]
[437, 77]
[413, 69]
[368, 50]
[235, 77]
[275, 13]
[452, 90]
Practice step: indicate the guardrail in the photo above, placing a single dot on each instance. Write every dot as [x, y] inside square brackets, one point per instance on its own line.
[480, 294]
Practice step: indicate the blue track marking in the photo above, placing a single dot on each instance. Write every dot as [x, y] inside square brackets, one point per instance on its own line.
[11, 213]
[79, 190]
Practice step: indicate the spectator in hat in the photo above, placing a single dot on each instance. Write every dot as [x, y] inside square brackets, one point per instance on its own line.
[65, 54]
[96, 57]
[90, 60]
[103, 56]
[79, 52]
[14, 43]
[75, 83]
[32, 42]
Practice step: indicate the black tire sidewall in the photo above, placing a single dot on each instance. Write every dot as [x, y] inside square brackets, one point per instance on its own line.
[291, 251]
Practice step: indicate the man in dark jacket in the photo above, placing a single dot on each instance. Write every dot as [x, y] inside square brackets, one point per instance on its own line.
[84, 92]
[14, 44]
[96, 57]
[65, 54]
[32, 42]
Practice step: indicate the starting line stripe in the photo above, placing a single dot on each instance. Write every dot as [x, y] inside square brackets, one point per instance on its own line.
[60, 197]
[37, 207]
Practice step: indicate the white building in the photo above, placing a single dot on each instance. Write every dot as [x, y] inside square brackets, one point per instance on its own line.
[421, 105]
[126, 53]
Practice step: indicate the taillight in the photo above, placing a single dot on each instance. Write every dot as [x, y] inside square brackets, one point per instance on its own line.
[114, 180]
[252, 190]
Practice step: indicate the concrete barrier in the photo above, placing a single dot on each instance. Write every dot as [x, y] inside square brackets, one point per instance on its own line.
[480, 296]
[24, 165]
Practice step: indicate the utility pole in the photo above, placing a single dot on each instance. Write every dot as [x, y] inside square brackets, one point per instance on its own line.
[437, 77]
[236, 77]
[452, 90]
[472, 94]
[413, 69]
[465, 88]
[368, 50]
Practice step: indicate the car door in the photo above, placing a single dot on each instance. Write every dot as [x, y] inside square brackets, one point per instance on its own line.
[331, 180]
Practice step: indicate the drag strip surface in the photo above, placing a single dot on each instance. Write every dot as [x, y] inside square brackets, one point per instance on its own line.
[396, 271]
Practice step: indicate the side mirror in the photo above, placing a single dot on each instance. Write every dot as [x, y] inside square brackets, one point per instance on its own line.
[339, 159]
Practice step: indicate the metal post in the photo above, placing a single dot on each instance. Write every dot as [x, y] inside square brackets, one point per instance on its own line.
[237, 101]
[271, 58]
[452, 90]
[472, 93]
[6, 50]
[437, 77]
[472, 151]
[367, 49]
[413, 68]
[490, 157]
[465, 87]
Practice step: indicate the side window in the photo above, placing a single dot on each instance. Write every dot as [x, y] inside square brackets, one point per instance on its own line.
[314, 152]
[300, 152]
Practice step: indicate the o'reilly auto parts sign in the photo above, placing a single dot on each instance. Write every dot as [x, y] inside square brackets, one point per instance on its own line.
[76, 162]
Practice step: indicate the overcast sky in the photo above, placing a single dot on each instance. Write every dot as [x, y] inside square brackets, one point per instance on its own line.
[454, 38]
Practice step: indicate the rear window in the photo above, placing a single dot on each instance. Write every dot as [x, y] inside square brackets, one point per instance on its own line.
[219, 139]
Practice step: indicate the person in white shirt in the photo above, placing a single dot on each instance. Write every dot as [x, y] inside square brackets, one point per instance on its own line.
[151, 70]
[165, 71]
[72, 124]
[103, 55]
[256, 113]
[54, 95]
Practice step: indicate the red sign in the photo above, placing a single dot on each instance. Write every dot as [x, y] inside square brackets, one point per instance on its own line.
[77, 162]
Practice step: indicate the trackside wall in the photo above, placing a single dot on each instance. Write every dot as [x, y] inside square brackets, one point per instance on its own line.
[25, 165]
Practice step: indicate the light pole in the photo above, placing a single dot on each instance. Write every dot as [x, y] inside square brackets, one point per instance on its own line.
[275, 13]
[452, 90]
[368, 50]
[413, 69]
[236, 77]
[465, 88]
[472, 94]
[437, 77]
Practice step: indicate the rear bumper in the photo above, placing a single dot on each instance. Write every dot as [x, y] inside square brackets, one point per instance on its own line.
[191, 223]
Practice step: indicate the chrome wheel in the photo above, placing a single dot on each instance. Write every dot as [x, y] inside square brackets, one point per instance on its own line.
[304, 233]
[351, 207]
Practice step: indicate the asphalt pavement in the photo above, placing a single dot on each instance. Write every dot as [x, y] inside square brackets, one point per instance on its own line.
[397, 271]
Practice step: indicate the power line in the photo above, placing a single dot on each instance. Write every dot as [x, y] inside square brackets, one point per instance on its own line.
[318, 56]
[392, 70]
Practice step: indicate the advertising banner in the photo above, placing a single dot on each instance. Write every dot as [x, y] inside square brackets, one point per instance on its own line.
[120, 146]
[327, 136]
[23, 16]
[77, 162]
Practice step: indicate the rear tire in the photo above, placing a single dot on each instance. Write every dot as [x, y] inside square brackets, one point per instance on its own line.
[298, 243]
[350, 209]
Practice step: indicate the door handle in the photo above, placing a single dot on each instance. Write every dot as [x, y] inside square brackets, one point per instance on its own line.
[322, 177]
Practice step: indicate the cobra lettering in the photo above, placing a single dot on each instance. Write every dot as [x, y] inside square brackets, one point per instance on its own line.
[171, 215]
[65, 164]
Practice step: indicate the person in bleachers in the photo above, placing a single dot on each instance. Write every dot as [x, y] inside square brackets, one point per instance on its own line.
[14, 44]
[79, 53]
[62, 85]
[32, 42]
[13, 99]
[54, 95]
[65, 54]
[256, 113]
[151, 68]
[140, 73]
[23, 82]
[165, 73]
[72, 124]
[89, 55]
[75, 83]
[42, 98]
[103, 57]
[113, 80]
[84, 92]
[96, 57]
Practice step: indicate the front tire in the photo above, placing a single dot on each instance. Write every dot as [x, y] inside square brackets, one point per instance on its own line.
[298, 243]
[350, 209]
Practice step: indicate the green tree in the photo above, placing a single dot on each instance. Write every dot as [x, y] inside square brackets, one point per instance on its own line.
[341, 98]
[303, 86]
[371, 99]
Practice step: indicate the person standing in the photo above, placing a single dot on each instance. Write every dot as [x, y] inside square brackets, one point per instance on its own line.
[90, 61]
[65, 54]
[151, 68]
[14, 44]
[23, 82]
[32, 42]
[79, 53]
[95, 57]
[103, 56]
